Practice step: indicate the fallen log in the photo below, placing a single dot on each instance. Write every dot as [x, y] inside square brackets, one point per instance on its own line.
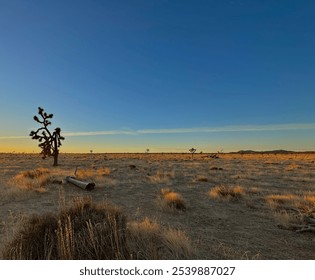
[81, 184]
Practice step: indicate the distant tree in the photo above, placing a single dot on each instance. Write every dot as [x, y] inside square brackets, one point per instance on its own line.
[49, 142]
[192, 151]
[147, 151]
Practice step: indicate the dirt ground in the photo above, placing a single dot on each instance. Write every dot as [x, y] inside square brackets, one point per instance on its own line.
[250, 226]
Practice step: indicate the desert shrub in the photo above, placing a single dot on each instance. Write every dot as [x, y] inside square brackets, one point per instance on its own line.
[36, 179]
[162, 177]
[105, 171]
[36, 173]
[216, 168]
[172, 199]
[301, 202]
[288, 219]
[276, 200]
[226, 192]
[293, 211]
[93, 174]
[85, 174]
[201, 178]
[88, 231]
[83, 231]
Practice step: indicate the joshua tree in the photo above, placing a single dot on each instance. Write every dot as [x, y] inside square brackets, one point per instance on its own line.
[49, 142]
[192, 151]
[147, 151]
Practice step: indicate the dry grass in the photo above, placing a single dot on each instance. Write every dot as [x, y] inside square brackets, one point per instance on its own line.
[226, 193]
[97, 175]
[292, 166]
[226, 252]
[292, 211]
[105, 171]
[202, 178]
[288, 220]
[275, 201]
[162, 177]
[85, 173]
[259, 225]
[94, 231]
[83, 231]
[149, 241]
[37, 180]
[301, 202]
[171, 199]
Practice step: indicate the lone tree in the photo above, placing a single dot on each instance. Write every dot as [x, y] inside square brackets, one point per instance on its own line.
[192, 151]
[49, 142]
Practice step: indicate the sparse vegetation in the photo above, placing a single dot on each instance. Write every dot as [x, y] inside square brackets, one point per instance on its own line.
[150, 241]
[293, 211]
[83, 231]
[227, 192]
[37, 180]
[94, 231]
[253, 209]
[173, 199]
[201, 178]
[162, 177]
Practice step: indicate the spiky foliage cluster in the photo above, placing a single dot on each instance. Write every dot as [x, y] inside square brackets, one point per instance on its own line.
[49, 141]
[192, 151]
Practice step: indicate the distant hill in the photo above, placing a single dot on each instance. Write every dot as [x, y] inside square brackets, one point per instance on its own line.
[265, 152]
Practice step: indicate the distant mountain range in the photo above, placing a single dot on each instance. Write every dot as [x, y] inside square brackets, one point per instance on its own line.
[268, 152]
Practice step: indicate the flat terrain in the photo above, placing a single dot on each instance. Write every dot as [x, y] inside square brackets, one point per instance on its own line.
[259, 217]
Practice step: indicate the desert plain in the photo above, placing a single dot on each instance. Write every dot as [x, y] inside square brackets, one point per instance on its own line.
[236, 206]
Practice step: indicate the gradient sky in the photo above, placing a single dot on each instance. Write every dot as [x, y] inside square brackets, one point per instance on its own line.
[123, 76]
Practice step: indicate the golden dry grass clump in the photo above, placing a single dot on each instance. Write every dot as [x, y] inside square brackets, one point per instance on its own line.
[98, 175]
[293, 211]
[36, 179]
[201, 178]
[150, 241]
[226, 193]
[85, 173]
[162, 177]
[93, 231]
[90, 173]
[301, 202]
[105, 171]
[172, 199]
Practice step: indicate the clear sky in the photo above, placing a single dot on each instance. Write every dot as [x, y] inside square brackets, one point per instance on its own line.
[123, 76]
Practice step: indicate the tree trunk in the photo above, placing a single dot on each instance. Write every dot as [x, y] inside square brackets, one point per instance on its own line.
[56, 152]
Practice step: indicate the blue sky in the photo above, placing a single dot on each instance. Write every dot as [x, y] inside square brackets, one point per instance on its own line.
[164, 75]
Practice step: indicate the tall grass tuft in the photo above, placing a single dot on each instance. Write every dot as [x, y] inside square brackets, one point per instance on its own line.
[172, 199]
[226, 193]
[83, 231]
[36, 179]
[149, 241]
[88, 231]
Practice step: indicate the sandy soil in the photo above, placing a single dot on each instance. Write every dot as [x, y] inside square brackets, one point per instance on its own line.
[244, 228]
